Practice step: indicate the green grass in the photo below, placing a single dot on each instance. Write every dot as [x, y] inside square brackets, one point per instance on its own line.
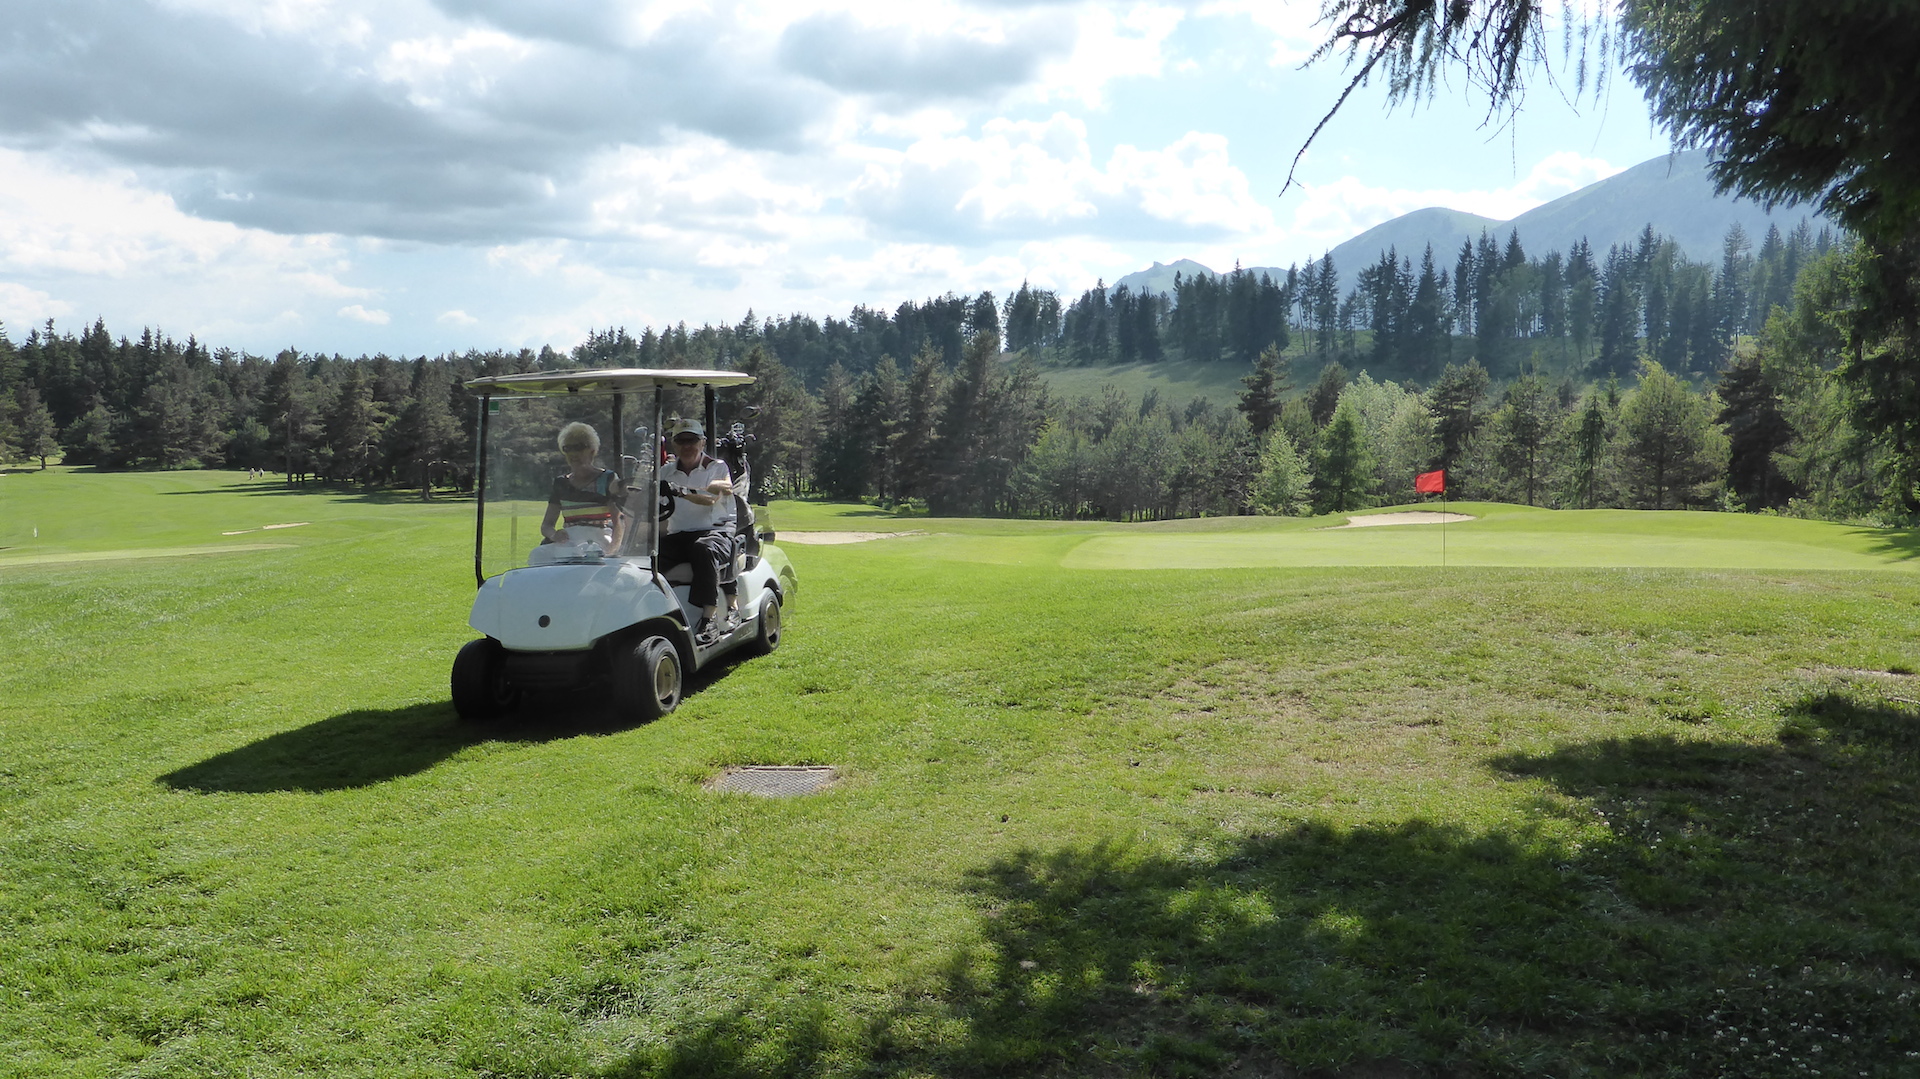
[1498, 535]
[74, 514]
[1176, 381]
[1502, 535]
[1340, 820]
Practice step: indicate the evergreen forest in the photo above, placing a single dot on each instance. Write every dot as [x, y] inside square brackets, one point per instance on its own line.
[1632, 377]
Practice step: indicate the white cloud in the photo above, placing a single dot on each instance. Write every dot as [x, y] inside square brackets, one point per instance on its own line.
[727, 254]
[1110, 45]
[698, 184]
[1192, 182]
[57, 218]
[104, 244]
[1021, 178]
[1293, 27]
[439, 67]
[21, 306]
[360, 313]
[374, 171]
[1068, 265]
[914, 53]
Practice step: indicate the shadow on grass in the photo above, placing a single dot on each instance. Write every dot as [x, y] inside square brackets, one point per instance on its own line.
[1894, 543]
[335, 492]
[371, 746]
[353, 749]
[864, 511]
[1678, 908]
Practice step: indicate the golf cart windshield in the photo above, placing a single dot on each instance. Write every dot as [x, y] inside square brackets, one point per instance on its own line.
[525, 475]
[524, 464]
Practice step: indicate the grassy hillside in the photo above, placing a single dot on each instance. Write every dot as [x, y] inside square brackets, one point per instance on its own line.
[1350, 820]
[1177, 381]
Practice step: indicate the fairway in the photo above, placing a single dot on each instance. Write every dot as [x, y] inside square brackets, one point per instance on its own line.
[1589, 813]
[1519, 536]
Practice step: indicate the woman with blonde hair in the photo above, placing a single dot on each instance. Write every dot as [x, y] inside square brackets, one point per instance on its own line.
[583, 506]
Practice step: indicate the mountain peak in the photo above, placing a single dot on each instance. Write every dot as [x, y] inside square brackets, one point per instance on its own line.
[1673, 193]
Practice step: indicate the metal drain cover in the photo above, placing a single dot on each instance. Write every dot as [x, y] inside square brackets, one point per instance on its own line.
[774, 780]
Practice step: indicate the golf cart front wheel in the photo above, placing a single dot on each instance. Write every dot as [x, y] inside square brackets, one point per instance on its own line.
[766, 635]
[647, 679]
[480, 687]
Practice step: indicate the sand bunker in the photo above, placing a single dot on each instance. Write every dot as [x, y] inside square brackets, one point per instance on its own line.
[840, 537]
[263, 528]
[1410, 517]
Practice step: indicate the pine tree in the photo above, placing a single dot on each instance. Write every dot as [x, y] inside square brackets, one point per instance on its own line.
[915, 450]
[1386, 299]
[1730, 288]
[1588, 435]
[1553, 299]
[879, 413]
[1260, 401]
[987, 422]
[1670, 449]
[840, 460]
[289, 414]
[427, 440]
[983, 317]
[1324, 296]
[1343, 469]
[174, 423]
[1427, 332]
[352, 428]
[784, 429]
[1455, 402]
[1521, 430]
[1324, 397]
[1756, 431]
[93, 438]
[10, 447]
[1582, 298]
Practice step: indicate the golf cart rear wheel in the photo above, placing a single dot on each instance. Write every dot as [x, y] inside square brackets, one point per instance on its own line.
[647, 679]
[480, 687]
[766, 636]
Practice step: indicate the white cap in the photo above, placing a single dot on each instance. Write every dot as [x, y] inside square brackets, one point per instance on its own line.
[688, 427]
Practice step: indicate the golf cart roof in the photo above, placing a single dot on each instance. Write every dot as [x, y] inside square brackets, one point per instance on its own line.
[603, 381]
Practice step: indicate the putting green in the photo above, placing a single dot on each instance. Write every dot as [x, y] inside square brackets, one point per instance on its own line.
[1518, 536]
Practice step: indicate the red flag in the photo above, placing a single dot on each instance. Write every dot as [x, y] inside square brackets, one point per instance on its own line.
[1431, 483]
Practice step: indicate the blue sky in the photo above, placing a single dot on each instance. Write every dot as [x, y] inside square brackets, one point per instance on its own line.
[416, 176]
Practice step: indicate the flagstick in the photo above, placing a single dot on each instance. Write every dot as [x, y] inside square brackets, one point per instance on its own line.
[1443, 525]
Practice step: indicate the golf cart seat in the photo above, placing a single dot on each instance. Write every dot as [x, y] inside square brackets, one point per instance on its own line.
[682, 573]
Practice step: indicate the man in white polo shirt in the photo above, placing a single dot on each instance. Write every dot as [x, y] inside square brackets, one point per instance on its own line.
[700, 528]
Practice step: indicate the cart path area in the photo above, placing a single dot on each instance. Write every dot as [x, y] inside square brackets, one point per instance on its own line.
[842, 537]
[1410, 517]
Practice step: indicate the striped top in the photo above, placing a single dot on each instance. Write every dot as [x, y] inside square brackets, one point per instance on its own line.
[590, 506]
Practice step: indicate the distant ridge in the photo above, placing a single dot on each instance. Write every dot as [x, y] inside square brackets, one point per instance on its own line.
[1159, 276]
[1673, 193]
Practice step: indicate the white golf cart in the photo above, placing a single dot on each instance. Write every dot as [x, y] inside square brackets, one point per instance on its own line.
[590, 609]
